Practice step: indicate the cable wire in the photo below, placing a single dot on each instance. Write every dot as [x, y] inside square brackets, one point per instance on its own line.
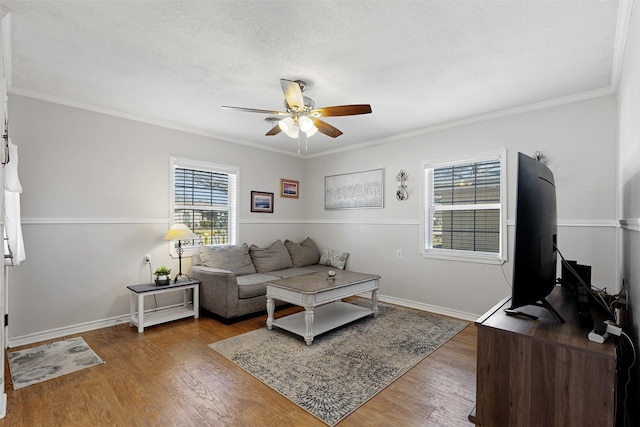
[588, 288]
[626, 385]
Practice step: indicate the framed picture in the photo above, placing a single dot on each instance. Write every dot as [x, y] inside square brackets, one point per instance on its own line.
[261, 202]
[354, 190]
[289, 188]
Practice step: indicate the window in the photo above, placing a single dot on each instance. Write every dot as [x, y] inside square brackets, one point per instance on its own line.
[464, 209]
[204, 198]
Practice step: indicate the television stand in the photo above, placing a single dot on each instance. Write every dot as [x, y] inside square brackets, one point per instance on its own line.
[542, 373]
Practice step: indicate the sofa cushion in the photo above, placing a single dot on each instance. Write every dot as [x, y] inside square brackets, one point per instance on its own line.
[333, 258]
[303, 253]
[274, 257]
[253, 285]
[235, 258]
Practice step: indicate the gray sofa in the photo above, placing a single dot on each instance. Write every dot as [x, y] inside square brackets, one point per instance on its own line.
[234, 277]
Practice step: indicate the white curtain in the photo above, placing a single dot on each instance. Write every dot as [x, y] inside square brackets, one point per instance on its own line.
[12, 222]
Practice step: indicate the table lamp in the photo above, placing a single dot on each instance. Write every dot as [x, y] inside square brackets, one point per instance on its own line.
[180, 232]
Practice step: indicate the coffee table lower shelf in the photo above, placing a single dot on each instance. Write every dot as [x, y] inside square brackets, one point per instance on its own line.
[325, 318]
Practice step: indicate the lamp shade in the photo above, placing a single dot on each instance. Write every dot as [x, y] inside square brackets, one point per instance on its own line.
[305, 124]
[180, 232]
[286, 125]
[311, 131]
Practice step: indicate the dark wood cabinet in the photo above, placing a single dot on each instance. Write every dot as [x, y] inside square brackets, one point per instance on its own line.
[541, 372]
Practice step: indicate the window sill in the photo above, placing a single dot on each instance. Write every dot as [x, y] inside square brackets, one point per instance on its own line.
[461, 256]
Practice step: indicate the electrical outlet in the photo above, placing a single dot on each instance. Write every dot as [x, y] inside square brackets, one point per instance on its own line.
[399, 253]
[147, 258]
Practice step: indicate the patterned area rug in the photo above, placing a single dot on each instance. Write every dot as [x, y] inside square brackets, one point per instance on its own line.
[343, 368]
[48, 361]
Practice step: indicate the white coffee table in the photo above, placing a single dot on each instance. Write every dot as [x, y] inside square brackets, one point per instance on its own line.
[321, 299]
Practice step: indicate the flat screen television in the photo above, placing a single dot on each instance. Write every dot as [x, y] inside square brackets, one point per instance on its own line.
[535, 256]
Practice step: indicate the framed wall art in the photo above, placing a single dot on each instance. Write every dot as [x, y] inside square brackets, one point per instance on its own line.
[289, 188]
[261, 202]
[354, 190]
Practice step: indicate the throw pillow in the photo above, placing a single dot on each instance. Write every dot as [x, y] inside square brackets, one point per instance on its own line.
[234, 258]
[333, 258]
[303, 253]
[274, 257]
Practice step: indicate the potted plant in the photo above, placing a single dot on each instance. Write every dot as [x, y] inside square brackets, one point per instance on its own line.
[162, 275]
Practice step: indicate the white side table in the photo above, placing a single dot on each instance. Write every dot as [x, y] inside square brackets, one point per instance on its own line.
[142, 320]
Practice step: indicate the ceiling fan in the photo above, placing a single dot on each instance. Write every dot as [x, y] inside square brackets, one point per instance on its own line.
[300, 116]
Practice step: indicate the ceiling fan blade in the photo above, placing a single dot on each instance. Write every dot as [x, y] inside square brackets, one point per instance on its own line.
[342, 110]
[326, 128]
[255, 110]
[292, 94]
[273, 131]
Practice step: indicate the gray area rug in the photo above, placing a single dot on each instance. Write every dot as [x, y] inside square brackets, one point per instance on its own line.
[48, 361]
[343, 368]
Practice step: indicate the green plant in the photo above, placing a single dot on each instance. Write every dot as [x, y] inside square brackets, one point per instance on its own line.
[162, 271]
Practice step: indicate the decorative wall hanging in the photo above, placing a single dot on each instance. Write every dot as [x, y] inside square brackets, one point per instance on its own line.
[401, 192]
[541, 157]
[261, 202]
[289, 188]
[354, 190]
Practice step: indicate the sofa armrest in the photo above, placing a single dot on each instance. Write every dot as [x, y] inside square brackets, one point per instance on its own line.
[218, 291]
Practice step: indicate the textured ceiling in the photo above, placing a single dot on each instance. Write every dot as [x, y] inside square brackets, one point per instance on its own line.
[418, 63]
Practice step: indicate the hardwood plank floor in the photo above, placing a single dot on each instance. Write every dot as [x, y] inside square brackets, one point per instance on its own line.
[168, 376]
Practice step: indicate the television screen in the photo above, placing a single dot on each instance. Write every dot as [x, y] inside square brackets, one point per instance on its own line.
[534, 262]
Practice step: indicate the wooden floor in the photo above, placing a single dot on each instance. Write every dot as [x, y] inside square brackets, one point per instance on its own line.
[168, 376]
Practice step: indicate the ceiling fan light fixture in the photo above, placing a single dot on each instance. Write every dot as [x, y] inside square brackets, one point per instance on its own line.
[293, 133]
[300, 114]
[311, 131]
[306, 124]
[286, 124]
[289, 127]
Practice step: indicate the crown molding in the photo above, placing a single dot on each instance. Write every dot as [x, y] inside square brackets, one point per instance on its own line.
[583, 96]
[622, 28]
[140, 119]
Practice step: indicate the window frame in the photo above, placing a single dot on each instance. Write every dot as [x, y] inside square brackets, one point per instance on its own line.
[428, 210]
[184, 163]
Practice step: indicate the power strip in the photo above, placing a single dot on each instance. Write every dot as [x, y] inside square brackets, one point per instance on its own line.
[612, 328]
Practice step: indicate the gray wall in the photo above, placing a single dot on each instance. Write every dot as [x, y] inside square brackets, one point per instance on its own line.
[629, 186]
[579, 139]
[96, 199]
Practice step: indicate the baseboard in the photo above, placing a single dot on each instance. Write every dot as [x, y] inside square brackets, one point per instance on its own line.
[3, 405]
[118, 320]
[471, 317]
[74, 329]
